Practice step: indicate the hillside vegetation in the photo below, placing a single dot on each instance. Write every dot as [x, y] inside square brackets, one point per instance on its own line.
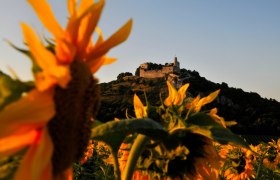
[254, 114]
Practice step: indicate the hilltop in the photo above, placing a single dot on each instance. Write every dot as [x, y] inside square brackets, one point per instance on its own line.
[254, 114]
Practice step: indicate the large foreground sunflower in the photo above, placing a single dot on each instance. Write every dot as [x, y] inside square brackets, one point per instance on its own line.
[53, 119]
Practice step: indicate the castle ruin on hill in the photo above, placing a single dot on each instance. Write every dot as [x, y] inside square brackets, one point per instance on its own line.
[171, 71]
[169, 68]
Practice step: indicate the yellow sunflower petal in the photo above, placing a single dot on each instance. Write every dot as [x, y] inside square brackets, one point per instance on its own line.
[95, 65]
[99, 41]
[213, 113]
[44, 81]
[65, 51]
[120, 36]
[84, 5]
[44, 58]
[181, 95]
[172, 93]
[194, 102]
[100, 38]
[36, 163]
[206, 100]
[88, 25]
[183, 89]
[45, 14]
[109, 61]
[72, 7]
[139, 108]
[73, 24]
[10, 145]
[30, 112]
[211, 97]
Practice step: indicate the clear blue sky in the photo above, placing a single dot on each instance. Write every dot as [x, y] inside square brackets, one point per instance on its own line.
[232, 41]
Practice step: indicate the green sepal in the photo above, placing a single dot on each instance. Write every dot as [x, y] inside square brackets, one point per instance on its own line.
[114, 132]
[12, 89]
[35, 66]
[203, 124]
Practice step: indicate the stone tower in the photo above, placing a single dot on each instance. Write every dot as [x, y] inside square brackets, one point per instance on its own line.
[176, 63]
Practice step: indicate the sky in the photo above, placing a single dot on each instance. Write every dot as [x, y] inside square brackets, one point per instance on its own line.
[231, 41]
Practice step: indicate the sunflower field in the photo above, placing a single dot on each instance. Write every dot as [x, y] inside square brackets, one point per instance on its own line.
[48, 129]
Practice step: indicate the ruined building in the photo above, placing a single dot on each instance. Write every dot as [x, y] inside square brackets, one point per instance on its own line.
[170, 71]
[168, 68]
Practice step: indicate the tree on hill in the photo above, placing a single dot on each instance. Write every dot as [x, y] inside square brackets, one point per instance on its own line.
[123, 74]
[137, 72]
[154, 66]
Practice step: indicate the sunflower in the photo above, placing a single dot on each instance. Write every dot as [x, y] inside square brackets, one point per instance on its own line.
[185, 155]
[239, 163]
[209, 168]
[196, 104]
[74, 43]
[175, 97]
[272, 155]
[88, 153]
[139, 109]
[55, 116]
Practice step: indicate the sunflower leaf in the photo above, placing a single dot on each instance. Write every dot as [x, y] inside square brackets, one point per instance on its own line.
[203, 124]
[114, 132]
[12, 89]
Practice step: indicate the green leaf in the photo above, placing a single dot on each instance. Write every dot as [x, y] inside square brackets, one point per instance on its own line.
[114, 132]
[96, 123]
[11, 89]
[203, 124]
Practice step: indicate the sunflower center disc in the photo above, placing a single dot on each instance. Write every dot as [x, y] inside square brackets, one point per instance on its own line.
[70, 127]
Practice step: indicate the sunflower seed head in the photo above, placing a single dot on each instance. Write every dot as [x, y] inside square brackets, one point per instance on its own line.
[70, 127]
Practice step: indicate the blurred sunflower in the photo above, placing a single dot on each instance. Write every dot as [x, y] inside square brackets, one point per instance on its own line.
[55, 116]
[175, 97]
[272, 155]
[201, 159]
[88, 153]
[238, 164]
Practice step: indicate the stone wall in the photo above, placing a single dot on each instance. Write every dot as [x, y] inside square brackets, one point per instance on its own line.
[151, 73]
[168, 68]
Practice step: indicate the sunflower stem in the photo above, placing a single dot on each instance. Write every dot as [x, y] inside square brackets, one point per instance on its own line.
[260, 164]
[136, 150]
[116, 165]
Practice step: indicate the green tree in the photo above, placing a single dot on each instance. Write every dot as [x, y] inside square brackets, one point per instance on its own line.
[122, 75]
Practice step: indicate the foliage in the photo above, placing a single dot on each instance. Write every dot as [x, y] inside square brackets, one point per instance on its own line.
[12, 89]
[137, 71]
[154, 66]
[8, 166]
[122, 75]
[95, 167]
